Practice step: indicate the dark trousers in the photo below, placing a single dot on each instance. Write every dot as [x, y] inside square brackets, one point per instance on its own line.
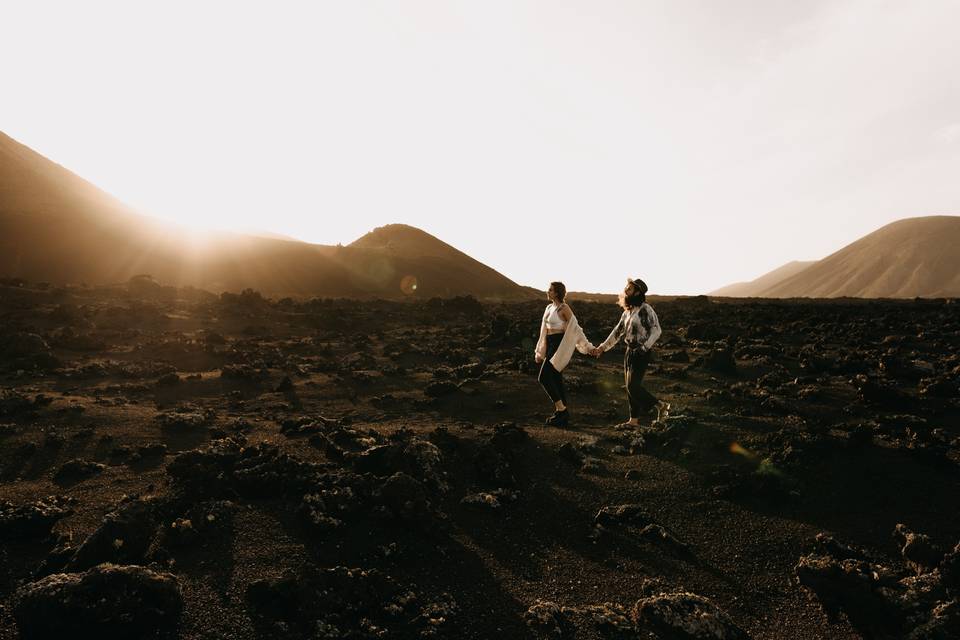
[635, 363]
[550, 378]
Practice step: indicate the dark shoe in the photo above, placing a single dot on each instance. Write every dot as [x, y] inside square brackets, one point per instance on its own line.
[559, 419]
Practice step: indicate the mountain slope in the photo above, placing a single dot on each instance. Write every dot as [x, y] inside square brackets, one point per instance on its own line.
[57, 227]
[764, 282]
[914, 257]
[404, 243]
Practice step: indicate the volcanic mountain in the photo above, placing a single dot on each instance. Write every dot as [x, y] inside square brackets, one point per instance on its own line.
[57, 227]
[914, 257]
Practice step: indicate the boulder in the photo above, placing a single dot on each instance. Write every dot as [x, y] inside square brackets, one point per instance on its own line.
[107, 601]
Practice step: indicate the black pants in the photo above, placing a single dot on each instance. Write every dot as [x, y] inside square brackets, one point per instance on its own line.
[635, 363]
[550, 378]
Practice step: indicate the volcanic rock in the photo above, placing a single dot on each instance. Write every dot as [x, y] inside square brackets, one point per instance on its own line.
[917, 549]
[344, 603]
[78, 469]
[629, 514]
[124, 534]
[107, 601]
[35, 519]
[685, 616]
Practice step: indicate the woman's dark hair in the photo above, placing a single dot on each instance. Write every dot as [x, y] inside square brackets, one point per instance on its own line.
[638, 297]
[559, 289]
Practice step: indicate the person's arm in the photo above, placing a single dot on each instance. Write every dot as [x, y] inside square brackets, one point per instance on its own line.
[565, 312]
[654, 330]
[582, 344]
[615, 335]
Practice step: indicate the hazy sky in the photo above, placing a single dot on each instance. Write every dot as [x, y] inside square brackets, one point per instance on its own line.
[690, 143]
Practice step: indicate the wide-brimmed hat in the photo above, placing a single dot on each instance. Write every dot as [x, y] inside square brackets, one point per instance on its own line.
[640, 285]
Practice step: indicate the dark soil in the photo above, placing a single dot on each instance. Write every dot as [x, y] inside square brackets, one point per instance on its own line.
[336, 468]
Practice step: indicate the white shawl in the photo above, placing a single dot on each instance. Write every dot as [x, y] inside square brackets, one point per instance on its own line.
[573, 337]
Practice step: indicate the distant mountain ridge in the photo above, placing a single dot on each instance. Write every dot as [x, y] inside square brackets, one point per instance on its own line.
[909, 258]
[764, 282]
[57, 227]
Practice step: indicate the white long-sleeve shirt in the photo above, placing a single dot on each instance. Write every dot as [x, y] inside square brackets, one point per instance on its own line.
[637, 326]
[573, 338]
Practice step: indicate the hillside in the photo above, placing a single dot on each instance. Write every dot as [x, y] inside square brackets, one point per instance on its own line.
[446, 265]
[909, 258]
[914, 257]
[764, 282]
[57, 227]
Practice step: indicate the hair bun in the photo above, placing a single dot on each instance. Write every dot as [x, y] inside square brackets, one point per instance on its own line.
[640, 285]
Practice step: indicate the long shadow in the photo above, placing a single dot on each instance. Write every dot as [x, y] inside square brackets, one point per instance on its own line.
[517, 534]
[859, 492]
[423, 557]
[211, 561]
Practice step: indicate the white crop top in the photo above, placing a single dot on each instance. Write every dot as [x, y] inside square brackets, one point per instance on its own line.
[553, 319]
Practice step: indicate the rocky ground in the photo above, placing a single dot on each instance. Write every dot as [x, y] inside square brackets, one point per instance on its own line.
[178, 464]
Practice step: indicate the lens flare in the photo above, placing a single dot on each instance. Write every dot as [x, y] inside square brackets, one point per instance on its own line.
[736, 449]
[408, 285]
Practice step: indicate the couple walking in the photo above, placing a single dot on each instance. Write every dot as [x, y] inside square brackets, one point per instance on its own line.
[560, 334]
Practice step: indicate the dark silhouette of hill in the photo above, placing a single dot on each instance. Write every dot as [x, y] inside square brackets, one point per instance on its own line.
[909, 258]
[405, 244]
[764, 282]
[57, 227]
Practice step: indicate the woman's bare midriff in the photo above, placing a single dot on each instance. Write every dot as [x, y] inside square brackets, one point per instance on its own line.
[554, 332]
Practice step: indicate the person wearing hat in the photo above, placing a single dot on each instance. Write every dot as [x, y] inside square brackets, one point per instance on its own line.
[640, 329]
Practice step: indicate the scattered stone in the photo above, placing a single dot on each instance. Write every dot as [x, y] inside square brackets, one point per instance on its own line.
[721, 360]
[243, 373]
[345, 603]
[168, 380]
[33, 520]
[440, 389]
[491, 500]
[879, 601]
[659, 535]
[622, 514]
[78, 469]
[917, 549]
[685, 616]
[124, 534]
[546, 619]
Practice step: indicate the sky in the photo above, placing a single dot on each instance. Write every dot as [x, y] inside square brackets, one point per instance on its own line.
[691, 143]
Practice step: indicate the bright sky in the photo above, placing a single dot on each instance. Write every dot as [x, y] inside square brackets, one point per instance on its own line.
[690, 143]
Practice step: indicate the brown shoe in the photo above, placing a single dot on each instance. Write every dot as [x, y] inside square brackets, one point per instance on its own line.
[663, 410]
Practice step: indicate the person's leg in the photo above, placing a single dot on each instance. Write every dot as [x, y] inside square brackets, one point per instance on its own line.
[643, 400]
[555, 379]
[628, 374]
[548, 381]
[561, 389]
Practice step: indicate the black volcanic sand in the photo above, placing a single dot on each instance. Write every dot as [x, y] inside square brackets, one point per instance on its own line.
[255, 468]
